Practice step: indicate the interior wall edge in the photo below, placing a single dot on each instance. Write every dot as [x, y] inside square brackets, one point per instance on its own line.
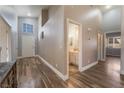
[63, 77]
[88, 66]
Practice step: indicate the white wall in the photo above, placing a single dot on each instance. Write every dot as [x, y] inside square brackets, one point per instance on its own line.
[122, 42]
[11, 18]
[112, 20]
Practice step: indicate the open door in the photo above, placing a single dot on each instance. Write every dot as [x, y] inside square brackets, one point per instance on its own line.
[74, 47]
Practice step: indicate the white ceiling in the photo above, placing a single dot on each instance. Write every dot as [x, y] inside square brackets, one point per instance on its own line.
[22, 10]
[104, 8]
[35, 10]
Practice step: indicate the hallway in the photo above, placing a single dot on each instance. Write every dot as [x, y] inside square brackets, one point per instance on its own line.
[104, 74]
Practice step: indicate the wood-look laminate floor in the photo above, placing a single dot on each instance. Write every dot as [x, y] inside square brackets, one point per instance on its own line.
[32, 73]
[72, 69]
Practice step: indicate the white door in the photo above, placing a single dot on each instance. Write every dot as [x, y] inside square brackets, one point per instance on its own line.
[28, 46]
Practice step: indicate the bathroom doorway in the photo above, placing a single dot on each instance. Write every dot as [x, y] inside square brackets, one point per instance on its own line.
[73, 47]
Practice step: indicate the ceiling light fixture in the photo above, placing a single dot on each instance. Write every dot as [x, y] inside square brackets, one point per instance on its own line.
[108, 6]
[29, 14]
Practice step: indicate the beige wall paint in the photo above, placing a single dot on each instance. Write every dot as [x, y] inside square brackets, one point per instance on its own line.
[89, 17]
[52, 48]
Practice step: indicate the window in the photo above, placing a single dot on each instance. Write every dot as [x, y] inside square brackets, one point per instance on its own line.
[27, 28]
[114, 42]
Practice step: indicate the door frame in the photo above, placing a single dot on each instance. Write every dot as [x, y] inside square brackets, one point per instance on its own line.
[102, 46]
[9, 46]
[98, 45]
[106, 41]
[20, 21]
[80, 45]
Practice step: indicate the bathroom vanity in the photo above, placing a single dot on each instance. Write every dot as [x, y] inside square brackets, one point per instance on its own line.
[73, 57]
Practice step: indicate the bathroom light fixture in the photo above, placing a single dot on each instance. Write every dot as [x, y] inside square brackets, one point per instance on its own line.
[108, 6]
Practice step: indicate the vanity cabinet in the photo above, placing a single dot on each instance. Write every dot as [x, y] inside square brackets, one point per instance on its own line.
[73, 58]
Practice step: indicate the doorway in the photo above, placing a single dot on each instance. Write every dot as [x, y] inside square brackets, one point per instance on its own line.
[27, 36]
[74, 42]
[101, 46]
[113, 44]
[28, 46]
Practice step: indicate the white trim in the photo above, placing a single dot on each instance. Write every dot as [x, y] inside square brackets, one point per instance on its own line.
[63, 77]
[105, 46]
[20, 57]
[103, 60]
[122, 72]
[101, 46]
[80, 48]
[88, 66]
[111, 32]
[9, 39]
[80, 45]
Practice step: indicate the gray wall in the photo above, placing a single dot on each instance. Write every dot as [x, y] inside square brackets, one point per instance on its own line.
[113, 34]
[52, 47]
[28, 20]
[112, 20]
[122, 41]
[89, 17]
[113, 52]
[11, 18]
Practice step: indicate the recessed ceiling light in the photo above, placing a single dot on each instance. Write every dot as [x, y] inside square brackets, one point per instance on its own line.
[29, 14]
[108, 6]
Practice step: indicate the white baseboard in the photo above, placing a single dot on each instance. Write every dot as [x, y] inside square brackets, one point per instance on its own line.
[121, 72]
[63, 77]
[21, 57]
[102, 59]
[88, 66]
